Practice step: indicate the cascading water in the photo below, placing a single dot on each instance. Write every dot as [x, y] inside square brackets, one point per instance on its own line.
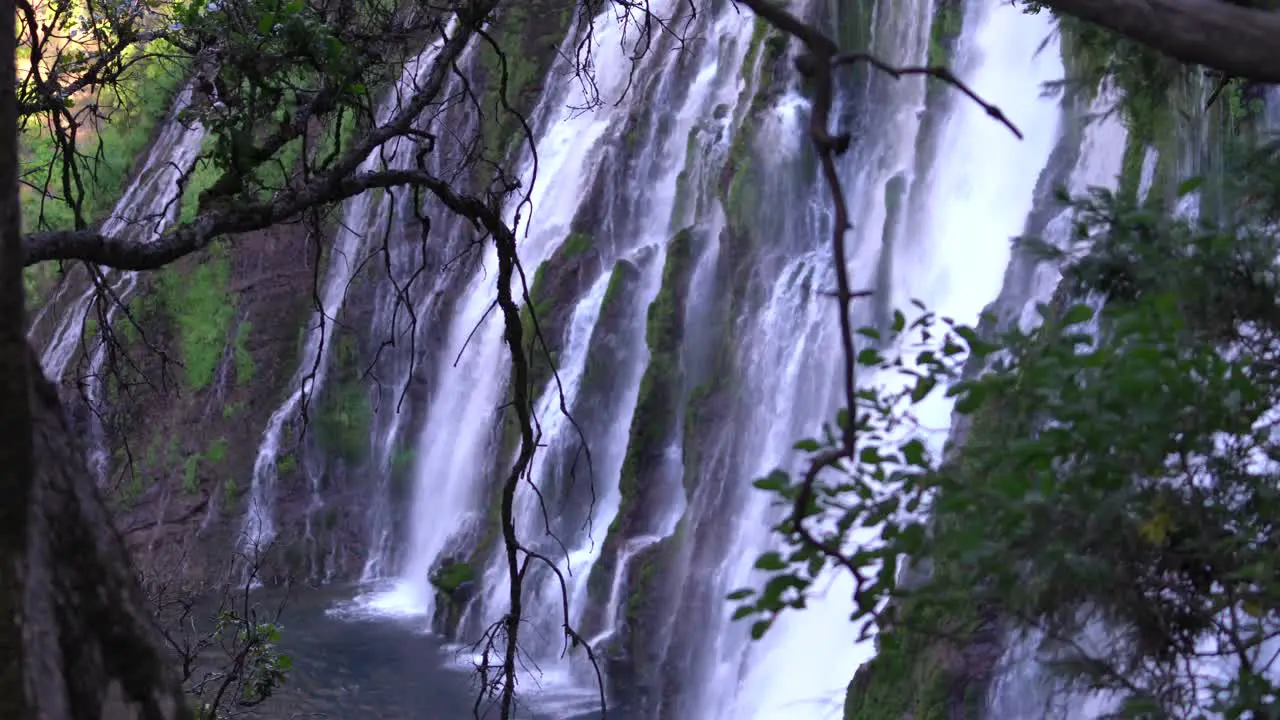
[575, 149]
[360, 216]
[696, 344]
[952, 258]
[714, 82]
[149, 205]
[785, 378]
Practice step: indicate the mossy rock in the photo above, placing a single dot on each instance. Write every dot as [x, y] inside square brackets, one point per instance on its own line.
[937, 675]
[634, 656]
[658, 407]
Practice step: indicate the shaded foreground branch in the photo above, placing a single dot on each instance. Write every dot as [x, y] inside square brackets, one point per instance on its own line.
[124, 253]
[1237, 40]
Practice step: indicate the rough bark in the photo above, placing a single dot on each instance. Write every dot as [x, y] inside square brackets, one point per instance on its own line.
[89, 650]
[15, 422]
[1237, 40]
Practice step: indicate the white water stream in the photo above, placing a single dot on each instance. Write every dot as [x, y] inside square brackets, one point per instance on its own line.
[150, 203]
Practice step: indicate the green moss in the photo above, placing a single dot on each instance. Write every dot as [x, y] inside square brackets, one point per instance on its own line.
[191, 473]
[401, 473]
[758, 33]
[449, 577]
[230, 492]
[948, 23]
[685, 195]
[576, 244]
[617, 281]
[540, 366]
[657, 408]
[528, 35]
[217, 452]
[854, 21]
[232, 409]
[344, 414]
[245, 367]
[191, 465]
[202, 309]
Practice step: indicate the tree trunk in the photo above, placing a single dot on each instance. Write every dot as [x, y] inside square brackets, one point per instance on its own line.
[75, 643]
[89, 650]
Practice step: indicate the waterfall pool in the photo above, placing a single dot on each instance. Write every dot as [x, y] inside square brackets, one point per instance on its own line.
[350, 665]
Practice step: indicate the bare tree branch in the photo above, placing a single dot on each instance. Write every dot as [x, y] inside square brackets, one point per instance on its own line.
[127, 254]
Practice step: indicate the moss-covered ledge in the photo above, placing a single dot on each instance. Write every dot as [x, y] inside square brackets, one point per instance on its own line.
[657, 415]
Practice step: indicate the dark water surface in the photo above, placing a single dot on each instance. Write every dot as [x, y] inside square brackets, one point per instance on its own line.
[352, 666]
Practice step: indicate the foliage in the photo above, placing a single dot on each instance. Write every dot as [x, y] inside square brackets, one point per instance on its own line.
[202, 309]
[451, 576]
[1119, 471]
[111, 139]
[229, 656]
[275, 60]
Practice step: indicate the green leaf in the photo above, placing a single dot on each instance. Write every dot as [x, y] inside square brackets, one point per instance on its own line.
[869, 356]
[913, 451]
[741, 594]
[923, 387]
[1189, 186]
[1079, 313]
[759, 628]
[771, 561]
[774, 482]
[807, 445]
[970, 400]
[266, 22]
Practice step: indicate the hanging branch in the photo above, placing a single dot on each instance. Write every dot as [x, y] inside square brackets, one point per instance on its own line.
[818, 64]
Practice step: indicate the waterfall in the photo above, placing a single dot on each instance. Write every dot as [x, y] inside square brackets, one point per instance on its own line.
[150, 203]
[455, 446]
[675, 247]
[678, 245]
[952, 257]
[361, 216]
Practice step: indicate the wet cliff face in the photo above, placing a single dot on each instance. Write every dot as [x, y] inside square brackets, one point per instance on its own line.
[189, 391]
[209, 347]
